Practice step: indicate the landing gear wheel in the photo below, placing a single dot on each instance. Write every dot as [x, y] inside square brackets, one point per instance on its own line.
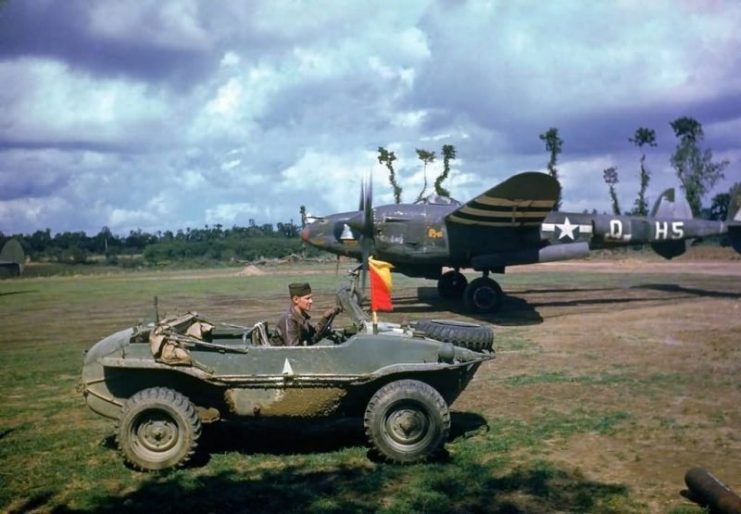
[407, 421]
[158, 429]
[452, 284]
[483, 295]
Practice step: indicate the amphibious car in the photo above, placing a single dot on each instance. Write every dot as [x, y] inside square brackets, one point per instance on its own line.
[163, 380]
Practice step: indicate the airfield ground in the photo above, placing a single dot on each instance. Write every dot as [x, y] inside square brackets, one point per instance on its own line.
[612, 379]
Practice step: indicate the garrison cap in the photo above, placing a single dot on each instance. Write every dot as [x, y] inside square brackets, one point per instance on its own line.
[299, 289]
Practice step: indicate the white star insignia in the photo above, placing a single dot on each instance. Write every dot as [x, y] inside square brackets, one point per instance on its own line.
[287, 369]
[567, 229]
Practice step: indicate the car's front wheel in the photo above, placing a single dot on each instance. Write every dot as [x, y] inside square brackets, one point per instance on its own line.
[158, 429]
[407, 421]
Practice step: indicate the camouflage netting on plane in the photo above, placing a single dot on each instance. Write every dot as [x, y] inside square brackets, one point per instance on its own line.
[169, 335]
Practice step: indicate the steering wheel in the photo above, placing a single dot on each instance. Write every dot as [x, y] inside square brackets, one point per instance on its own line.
[325, 328]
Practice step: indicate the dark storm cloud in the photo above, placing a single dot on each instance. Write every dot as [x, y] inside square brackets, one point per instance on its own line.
[31, 183]
[610, 130]
[61, 31]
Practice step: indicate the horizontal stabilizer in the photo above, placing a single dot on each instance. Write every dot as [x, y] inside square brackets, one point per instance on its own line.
[522, 200]
[672, 205]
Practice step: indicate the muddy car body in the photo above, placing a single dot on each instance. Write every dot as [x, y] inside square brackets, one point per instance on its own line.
[400, 380]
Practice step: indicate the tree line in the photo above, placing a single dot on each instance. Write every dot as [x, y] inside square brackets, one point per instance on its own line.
[192, 245]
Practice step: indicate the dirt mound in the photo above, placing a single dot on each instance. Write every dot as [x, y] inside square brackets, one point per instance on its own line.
[251, 271]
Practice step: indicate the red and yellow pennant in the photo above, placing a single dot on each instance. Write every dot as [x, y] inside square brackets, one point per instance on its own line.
[380, 284]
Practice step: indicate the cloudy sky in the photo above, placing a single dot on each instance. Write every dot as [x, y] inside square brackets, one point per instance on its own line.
[167, 114]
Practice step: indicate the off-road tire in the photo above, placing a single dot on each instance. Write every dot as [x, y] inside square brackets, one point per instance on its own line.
[467, 335]
[407, 421]
[158, 429]
[483, 295]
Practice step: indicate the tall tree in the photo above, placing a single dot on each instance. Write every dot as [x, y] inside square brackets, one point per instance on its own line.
[721, 203]
[643, 136]
[611, 178]
[695, 167]
[426, 157]
[448, 155]
[553, 144]
[388, 158]
[719, 206]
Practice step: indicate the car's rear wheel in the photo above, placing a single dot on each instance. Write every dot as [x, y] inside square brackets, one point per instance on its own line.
[158, 429]
[407, 421]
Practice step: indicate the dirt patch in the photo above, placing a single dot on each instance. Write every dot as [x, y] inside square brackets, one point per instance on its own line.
[666, 355]
[652, 344]
[251, 271]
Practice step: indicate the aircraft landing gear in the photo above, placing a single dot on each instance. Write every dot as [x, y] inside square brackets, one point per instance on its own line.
[452, 284]
[483, 295]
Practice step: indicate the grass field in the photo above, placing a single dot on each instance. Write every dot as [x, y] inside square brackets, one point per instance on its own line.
[610, 382]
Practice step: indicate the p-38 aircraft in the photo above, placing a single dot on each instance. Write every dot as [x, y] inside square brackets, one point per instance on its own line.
[510, 224]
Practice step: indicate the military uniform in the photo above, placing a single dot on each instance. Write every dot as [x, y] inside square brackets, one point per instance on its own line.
[294, 327]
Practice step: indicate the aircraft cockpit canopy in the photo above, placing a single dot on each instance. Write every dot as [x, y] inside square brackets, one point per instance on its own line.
[313, 219]
[435, 199]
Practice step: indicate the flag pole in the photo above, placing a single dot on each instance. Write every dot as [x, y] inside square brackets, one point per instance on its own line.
[375, 322]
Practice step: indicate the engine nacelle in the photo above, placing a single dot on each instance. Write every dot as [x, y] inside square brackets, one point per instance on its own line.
[670, 249]
[556, 252]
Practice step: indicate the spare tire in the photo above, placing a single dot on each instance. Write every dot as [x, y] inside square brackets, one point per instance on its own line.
[467, 335]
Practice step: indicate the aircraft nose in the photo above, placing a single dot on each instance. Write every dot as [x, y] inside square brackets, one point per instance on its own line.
[305, 234]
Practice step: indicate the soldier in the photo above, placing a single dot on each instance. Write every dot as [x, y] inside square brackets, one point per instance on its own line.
[294, 327]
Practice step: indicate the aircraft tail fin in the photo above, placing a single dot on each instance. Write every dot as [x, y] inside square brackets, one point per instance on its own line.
[523, 200]
[672, 205]
[733, 219]
[12, 258]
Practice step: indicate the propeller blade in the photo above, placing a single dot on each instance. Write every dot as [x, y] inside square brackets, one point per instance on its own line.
[366, 231]
[361, 202]
[337, 268]
[368, 209]
[365, 251]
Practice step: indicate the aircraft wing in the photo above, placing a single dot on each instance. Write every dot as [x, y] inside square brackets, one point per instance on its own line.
[523, 200]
